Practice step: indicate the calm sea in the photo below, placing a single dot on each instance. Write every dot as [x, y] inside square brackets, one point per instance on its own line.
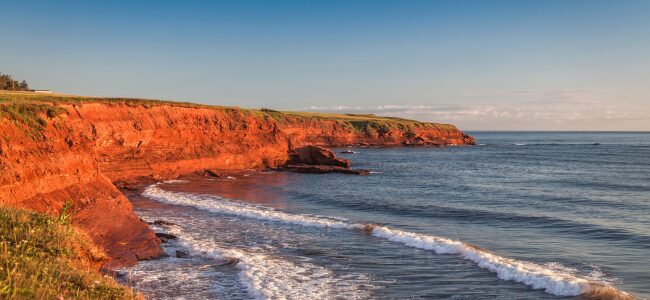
[522, 215]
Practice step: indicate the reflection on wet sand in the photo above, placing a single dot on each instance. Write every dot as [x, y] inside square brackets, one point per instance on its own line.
[257, 187]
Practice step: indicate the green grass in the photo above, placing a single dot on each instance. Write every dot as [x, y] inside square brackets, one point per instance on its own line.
[33, 110]
[363, 123]
[31, 117]
[45, 258]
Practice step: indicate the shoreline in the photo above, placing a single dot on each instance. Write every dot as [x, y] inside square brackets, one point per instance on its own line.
[528, 273]
[58, 148]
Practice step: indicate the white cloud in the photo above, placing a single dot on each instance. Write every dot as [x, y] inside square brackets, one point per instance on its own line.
[543, 110]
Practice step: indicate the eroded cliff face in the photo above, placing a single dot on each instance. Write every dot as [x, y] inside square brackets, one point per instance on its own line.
[165, 141]
[79, 153]
[330, 133]
[43, 173]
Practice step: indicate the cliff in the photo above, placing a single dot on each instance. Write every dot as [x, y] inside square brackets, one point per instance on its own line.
[58, 149]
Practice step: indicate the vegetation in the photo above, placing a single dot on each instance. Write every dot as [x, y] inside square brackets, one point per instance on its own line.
[9, 83]
[43, 258]
[364, 123]
[30, 116]
[33, 109]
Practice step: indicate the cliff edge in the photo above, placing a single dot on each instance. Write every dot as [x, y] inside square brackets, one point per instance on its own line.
[57, 149]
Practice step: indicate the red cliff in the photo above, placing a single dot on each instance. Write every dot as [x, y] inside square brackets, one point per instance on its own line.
[57, 149]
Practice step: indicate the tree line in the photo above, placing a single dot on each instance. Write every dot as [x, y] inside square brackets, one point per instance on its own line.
[7, 82]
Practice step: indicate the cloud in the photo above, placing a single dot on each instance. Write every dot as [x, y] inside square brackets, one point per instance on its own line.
[584, 96]
[515, 110]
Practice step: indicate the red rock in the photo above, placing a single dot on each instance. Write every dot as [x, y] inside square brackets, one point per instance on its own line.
[318, 160]
[213, 173]
[83, 151]
[314, 155]
[322, 169]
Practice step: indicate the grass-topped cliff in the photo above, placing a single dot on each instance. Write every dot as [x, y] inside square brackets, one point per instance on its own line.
[42, 257]
[60, 148]
[33, 109]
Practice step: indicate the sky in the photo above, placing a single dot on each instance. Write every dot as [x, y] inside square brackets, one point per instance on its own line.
[481, 65]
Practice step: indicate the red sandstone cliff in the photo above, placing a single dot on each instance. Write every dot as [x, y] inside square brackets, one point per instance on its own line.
[78, 153]
[333, 133]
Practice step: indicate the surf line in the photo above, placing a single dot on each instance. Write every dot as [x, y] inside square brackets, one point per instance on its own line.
[531, 274]
[269, 277]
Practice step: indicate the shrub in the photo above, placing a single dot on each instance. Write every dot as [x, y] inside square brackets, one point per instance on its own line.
[43, 258]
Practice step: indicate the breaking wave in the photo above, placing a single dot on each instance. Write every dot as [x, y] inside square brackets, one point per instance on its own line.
[174, 181]
[552, 279]
[556, 144]
[270, 277]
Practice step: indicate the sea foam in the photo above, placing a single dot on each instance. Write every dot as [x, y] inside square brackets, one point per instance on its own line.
[537, 276]
[270, 277]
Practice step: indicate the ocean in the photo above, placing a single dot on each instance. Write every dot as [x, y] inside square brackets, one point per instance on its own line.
[521, 215]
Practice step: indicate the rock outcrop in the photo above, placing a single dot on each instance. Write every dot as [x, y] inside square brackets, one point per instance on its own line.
[48, 158]
[315, 155]
[318, 160]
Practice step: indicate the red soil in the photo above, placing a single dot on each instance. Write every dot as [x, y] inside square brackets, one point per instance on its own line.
[84, 150]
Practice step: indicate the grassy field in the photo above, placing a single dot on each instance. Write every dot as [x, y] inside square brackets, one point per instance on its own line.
[44, 258]
[34, 109]
[365, 123]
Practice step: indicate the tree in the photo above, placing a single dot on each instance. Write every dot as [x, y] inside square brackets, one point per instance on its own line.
[23, 86]
[9, 83]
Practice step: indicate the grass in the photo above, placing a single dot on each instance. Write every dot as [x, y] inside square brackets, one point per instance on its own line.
[33, 110]
[363, 123]
[31, 117]
[45, 258]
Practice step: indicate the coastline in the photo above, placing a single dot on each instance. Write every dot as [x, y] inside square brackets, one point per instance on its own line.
[66, 148]
[252, 200]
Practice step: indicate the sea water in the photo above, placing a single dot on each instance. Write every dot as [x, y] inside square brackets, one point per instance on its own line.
[522, 215]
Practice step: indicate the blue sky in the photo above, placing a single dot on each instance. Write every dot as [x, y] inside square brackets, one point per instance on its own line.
[517, 65]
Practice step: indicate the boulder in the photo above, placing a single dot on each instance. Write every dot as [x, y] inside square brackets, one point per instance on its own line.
[164, 237]
[318, 160]
[163, 222]
[314, 155]
[321, 169]
[212, 173]
[182, 254]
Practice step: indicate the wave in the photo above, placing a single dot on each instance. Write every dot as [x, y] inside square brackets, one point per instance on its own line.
[173, 181]
[269, 277]
[221, 205]
[537, 276]
[474, 215]
[557, 144]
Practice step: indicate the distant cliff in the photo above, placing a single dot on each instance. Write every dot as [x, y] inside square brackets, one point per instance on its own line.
[55, 149]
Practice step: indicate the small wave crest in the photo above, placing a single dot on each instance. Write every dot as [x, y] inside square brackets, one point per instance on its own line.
[553, 279]
[269, 277]
[173, 181]
[556, 144]
[220, 205]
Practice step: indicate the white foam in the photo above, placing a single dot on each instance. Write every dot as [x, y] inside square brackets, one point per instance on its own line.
[531, 274]
[176, 181]
[553, 279]
[270, 277]
[220, 205]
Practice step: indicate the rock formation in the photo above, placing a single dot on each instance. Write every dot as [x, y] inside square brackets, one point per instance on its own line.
[48, 159]
[318, 160]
